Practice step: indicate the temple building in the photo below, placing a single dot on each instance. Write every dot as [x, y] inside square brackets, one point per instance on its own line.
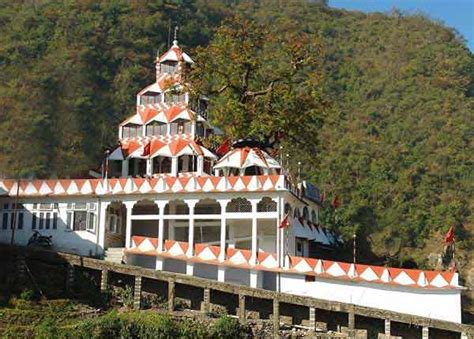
[167, 202]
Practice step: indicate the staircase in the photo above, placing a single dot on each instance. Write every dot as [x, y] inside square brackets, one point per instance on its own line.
[114, 254]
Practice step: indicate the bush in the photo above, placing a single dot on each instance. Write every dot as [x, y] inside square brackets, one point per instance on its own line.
[226, 327]
[27, 295]
[125, 296]
[47, 329]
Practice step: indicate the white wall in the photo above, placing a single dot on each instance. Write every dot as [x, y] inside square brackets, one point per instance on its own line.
[431, 303]
[63, 239]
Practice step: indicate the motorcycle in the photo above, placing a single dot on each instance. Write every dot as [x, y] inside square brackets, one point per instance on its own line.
[40, 240]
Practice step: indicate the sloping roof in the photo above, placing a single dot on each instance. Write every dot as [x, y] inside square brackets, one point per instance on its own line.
[246, 157]
[163, 113]
[175, 53]
[161, 145]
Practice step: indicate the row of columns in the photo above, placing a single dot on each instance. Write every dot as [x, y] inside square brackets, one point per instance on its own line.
[174, 166]
[191, 203]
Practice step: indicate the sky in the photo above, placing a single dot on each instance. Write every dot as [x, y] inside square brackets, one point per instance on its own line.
[458, 14]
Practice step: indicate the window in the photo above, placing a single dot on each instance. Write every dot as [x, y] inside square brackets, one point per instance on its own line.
[150, 98]
[41, 221]
[131, 130]
[47, 221]
[169, 67]
[55, 221]
[171, 98]
[33, 221]
[5, 221]
[156, 128]
[80, 217]
[180, 127]
[20, 220]
[80, 221]
[91, 222]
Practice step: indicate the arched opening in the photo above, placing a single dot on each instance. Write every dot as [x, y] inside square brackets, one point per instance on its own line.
[314, 217]
[115, 217]
[288, 209]
[240, 205]
[161, 165]
[178, 228]
[145, 228]
[207, 206]
[266, 205]
[187, 163]
[145, 207]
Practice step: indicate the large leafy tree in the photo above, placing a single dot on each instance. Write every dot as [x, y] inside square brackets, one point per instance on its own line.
[261, 79]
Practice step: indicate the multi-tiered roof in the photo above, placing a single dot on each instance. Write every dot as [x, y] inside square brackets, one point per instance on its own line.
[163, 136]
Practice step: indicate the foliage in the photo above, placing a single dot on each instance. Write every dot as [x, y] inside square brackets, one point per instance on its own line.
[27, 295]
[125, 296]
[226, 327]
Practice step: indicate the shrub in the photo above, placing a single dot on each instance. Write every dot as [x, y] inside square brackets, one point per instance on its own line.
[125, 296]
[226, 327]
[27, 294]
[47, 329]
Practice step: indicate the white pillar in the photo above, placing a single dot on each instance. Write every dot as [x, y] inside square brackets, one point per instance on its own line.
[222, 251]
[253, 258]
[191, 204]
[149, 167]
[102, 223]
[128, 223]
[193, 128]
[221, 273]
[255, 279]
[161, 224]
[125, 164]
[200, 165]
[174, 166]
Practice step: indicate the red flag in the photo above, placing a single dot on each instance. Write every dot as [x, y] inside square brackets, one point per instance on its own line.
[284, 223]
[224, 148]
[146, 150]
[335, 202]
[449, 238]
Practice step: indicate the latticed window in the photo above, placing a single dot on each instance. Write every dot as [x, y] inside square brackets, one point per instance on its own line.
[150, 98]
[171, 98]
[239, 205]
[155, 128]
[266, 205]
[169, 67]
[131, 130]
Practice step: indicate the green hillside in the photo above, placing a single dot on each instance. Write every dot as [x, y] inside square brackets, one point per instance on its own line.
[389, 99]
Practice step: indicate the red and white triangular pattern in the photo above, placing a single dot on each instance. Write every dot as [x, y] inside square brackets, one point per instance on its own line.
[299, 265]
[163, 184]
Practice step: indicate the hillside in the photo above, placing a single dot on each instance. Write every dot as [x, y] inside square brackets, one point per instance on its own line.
[394, 142]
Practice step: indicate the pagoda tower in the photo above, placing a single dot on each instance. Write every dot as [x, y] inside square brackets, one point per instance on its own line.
[162, 137]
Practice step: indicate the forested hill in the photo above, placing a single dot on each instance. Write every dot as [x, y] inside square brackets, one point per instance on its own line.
[394, 141]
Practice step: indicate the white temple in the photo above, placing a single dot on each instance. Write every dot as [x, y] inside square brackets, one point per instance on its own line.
[168, 203]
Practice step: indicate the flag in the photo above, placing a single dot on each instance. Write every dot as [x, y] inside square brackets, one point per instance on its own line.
[449, 238]
[335, 202]
[223, 148]
[284, 223]
[146, 150]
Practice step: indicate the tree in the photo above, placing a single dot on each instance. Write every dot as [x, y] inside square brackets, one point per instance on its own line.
[261, 79]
